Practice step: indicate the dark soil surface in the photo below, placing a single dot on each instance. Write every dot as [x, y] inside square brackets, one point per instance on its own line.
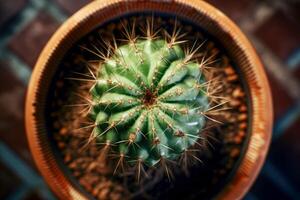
[219, 153]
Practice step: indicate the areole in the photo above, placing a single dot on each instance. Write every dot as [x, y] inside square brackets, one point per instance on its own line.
[199, 12]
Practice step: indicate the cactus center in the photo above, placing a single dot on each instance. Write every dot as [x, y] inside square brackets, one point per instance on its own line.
[149, 98]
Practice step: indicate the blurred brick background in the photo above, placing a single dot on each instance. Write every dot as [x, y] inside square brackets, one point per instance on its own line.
[273, 26]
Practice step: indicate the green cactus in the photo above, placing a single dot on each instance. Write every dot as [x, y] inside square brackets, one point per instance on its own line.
[148, 101]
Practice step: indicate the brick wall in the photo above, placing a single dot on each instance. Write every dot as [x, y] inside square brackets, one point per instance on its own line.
[273, 27]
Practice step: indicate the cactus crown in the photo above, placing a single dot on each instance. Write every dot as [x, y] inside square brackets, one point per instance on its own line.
[148, 101]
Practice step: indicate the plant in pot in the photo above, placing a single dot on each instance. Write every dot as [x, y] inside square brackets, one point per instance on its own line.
[149, 100]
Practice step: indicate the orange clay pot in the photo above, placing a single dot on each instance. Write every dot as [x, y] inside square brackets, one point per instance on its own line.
[199, 12]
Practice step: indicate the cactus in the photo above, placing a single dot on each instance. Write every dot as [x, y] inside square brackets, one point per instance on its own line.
[148, 101]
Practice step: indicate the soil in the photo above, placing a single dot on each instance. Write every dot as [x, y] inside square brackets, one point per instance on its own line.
[220, 153]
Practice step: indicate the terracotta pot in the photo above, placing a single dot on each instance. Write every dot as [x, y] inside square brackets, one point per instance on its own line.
[211, 20]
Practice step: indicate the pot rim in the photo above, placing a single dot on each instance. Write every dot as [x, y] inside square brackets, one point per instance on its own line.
[214, 22]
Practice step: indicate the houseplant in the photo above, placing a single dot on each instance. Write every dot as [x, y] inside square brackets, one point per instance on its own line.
[76, 37]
